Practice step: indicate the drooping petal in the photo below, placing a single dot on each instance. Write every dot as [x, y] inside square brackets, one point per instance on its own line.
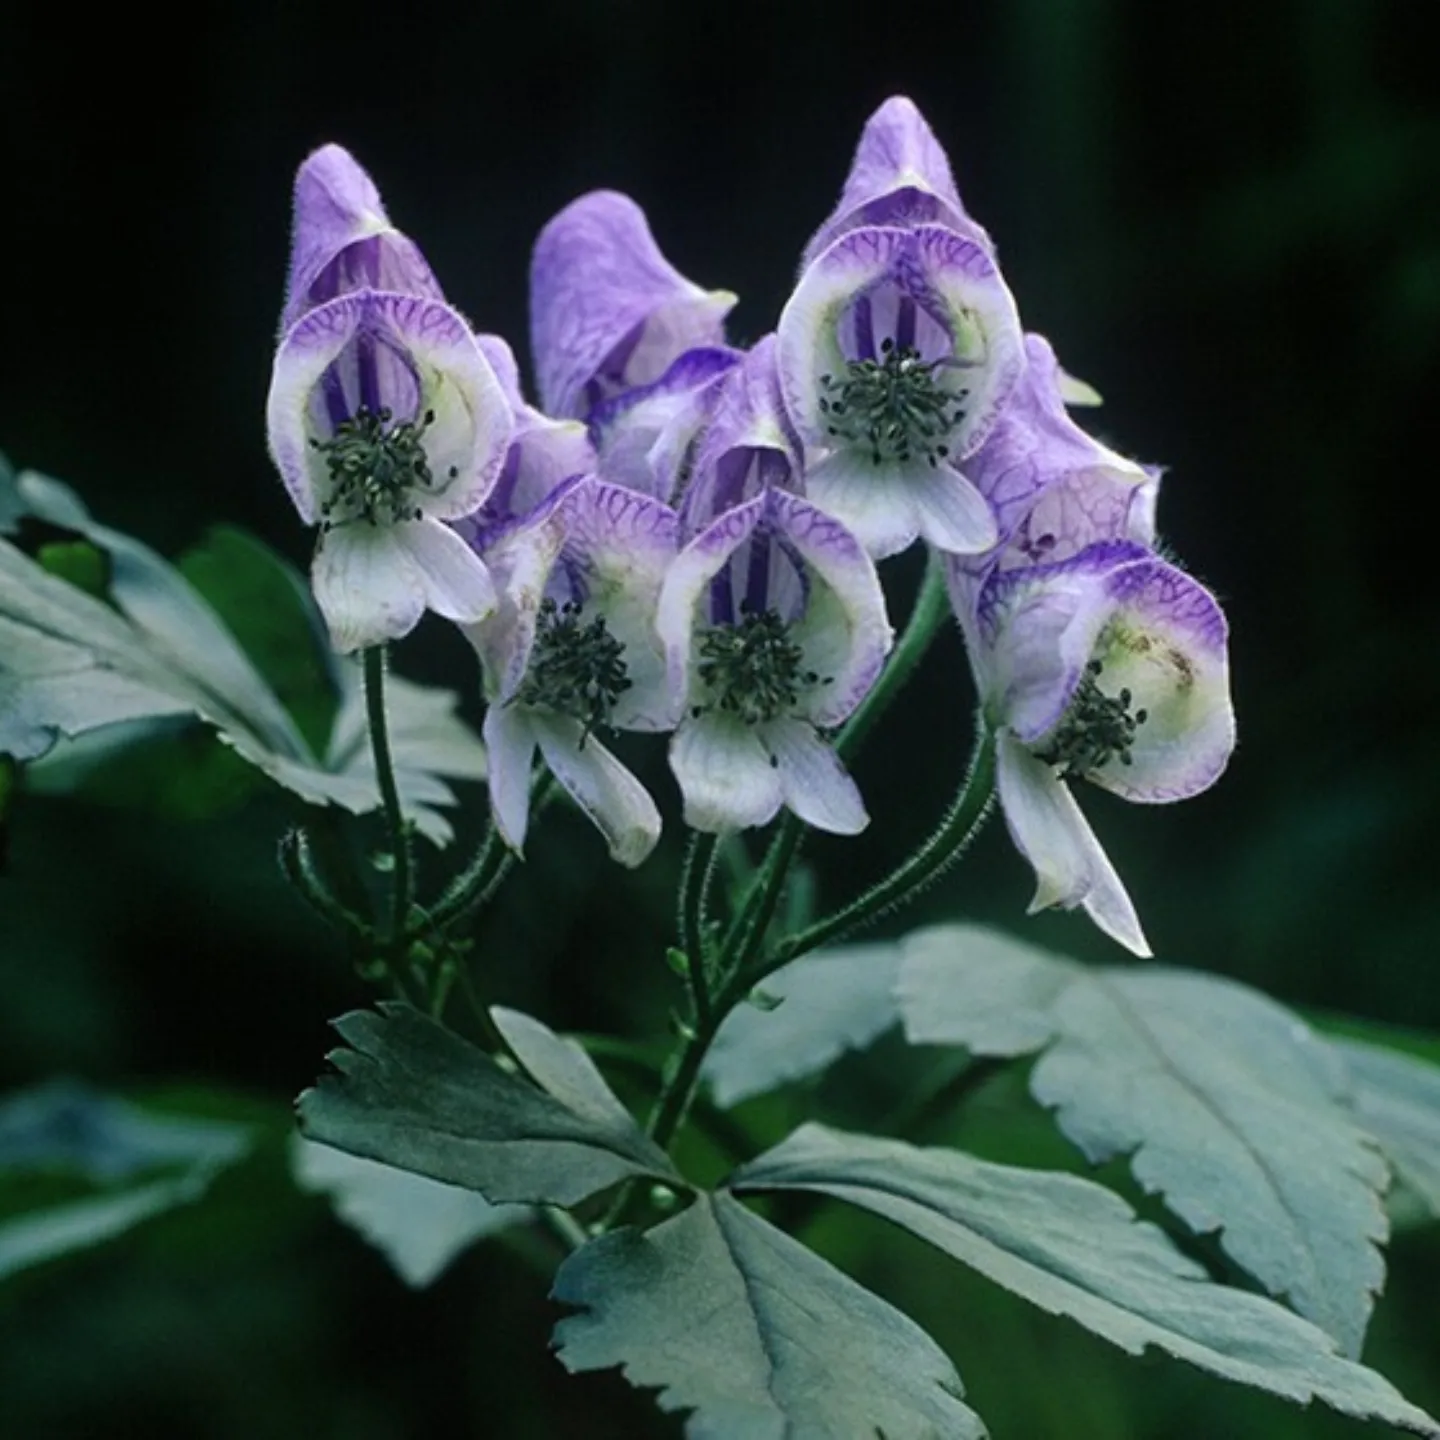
[614, 800]
[813, 782]
[457, 583]
[343, 240]
[874, 502]
[900, 176]
[510, 741]
[608, 311]
[644, 435]
[1050, 831]
[951, 514]
[725, 774]
[367, 586]
[844, 631]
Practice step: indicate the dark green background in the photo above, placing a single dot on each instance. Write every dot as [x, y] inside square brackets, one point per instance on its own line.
[1226, 217]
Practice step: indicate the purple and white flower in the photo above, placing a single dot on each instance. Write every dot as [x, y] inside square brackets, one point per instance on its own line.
[900, 176]
[774, 629]
[572, 650]
[1110, 666]
[384, 418]
[607, 310]
[897, 352]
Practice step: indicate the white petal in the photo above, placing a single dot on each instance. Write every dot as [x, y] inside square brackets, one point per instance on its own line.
[617, 803]
[457, 581]
[816, 786]
[725, 774]
[510, 747]
[873, 501]
[366, 585]
[1053, 835]
[953, 515]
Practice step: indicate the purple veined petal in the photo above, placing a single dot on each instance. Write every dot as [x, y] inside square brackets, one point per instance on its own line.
[343, 241]
[501, 359]
[413, 357]
[844, 631]
[724, 773]
[644, 436]
[952, 515]
[367, 586]
[619, 548]
[1034, 631]
[1050, 831]
[749, 444]
[457, 582]
[608, 311]
[874, 502]
[617, 804]
[510, 742]
[900, 176]
[520, 557]
[1166, 642]
[815, 785]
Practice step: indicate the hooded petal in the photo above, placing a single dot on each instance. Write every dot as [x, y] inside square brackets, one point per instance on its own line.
[510, 742]
[725, 774]
[813, 782]
[343, 240]
[456, 581]
[411, 356]
[1050, 831]
[613, 799]
[644, 435]
[367, 586]
[608, 311]
[900, 176]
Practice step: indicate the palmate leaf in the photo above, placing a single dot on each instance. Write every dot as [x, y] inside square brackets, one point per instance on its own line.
[73, 666]
[413, 1094]
[1075, 1248]
[759, 1337]
[1225, 1102]
[420, 1225]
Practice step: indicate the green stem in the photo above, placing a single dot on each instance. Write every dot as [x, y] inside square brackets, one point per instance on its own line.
[467, 888]
[389, 791]
[695, 876]
[961, 821]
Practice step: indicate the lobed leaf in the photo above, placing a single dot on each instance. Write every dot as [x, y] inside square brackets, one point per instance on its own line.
[757, 1336]
[413, 1094]
[1075, 1248]
[1224, 1101]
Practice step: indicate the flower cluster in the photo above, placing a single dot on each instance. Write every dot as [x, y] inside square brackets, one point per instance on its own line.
[683, 536]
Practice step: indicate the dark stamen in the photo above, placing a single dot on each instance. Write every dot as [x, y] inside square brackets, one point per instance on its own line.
[575, 668]
[375, 468]
[1097, 728]
[894, 406]
[752, 667]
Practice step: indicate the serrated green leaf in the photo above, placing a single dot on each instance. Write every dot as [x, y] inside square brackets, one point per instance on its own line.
[413, 1094]
[560, 1066]
[826, 1004]
[756, 1335]
[1075, 1248]
[1224, 1101]
[1397, 1099]
[420, 1225]
[71, 665]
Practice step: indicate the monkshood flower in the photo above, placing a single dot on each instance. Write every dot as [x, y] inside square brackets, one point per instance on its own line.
[774, 629]
[385, 420]
[898, 350]
[607, 310]
[900, 176]
[572, 651]
[1110, 666]
[646, 435]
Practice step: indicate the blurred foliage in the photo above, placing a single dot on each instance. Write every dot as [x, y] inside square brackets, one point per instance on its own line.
[1227, 218]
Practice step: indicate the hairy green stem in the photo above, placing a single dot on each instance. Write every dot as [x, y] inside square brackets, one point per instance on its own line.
[389, 791]
[696, 874]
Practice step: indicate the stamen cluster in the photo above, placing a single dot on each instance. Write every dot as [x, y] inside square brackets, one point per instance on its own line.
[376, 465]
[1096, 729]
[752, 667]
[576, 668]
[895, 405]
